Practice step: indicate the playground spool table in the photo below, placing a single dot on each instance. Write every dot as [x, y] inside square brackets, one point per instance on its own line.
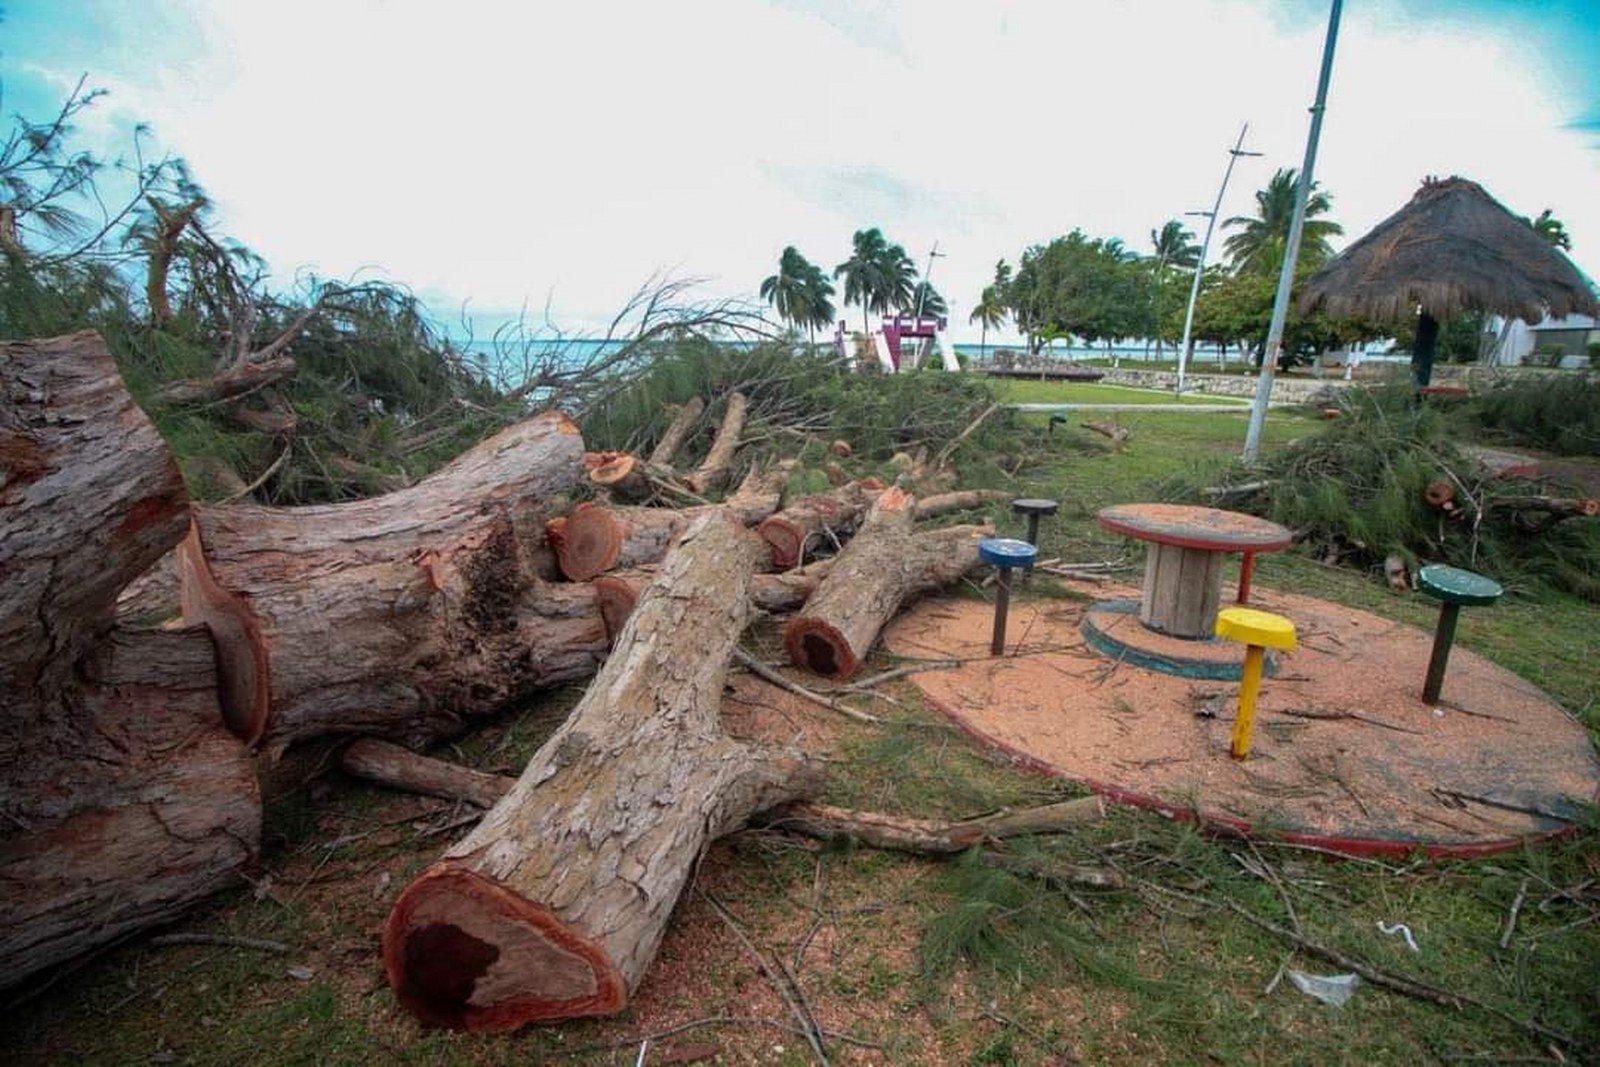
[1183, 574]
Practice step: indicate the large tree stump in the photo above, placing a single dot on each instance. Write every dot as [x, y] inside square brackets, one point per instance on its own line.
[122, 798]
[405, 614]
[881, 567]
[554, 906]
[792, 531]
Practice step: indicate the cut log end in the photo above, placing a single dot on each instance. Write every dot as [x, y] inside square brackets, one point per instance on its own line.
[464, 952]
[617, 596]
[587, 542]
[820, 648]
[787, 538]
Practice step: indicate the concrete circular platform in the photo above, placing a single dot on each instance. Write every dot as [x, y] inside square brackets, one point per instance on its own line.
[1346, 755]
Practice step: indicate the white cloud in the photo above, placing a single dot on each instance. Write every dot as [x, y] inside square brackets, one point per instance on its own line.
[499, 153]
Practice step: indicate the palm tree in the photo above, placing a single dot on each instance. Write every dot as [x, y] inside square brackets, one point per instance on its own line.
[927, 299]
[1259, 247]
[818, 300]
[1175, 245]
[990, 314]
[1552, 229]
[862, 272]
[897, 282]
[786, 290]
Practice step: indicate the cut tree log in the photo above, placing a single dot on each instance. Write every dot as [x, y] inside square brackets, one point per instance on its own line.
[596, 538]
[400, 768]
[714, 471]
[774, 594]
[1114, 430]
[123, 798]
[874, 574]
[931, 837]
[964, 500]
[619, 473]
[678, 431]
[90, 497]
[1555, 506]
[791, 532]
[555, 905]
[403, 615]
[126, 800]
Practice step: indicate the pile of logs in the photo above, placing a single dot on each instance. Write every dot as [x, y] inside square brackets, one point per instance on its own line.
[153, 650]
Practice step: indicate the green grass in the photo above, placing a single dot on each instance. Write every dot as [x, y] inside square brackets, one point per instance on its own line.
[957, 962]
[1016, 391]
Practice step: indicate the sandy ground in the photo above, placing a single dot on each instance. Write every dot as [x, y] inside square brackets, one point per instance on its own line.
[1344, 752]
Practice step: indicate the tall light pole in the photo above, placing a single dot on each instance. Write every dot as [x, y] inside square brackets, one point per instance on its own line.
[1291, 253]
[1234, 155]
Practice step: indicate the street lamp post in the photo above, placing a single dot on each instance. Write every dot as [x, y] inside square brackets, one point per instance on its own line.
[1234, 155]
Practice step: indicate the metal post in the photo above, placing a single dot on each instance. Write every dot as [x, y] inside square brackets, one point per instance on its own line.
[1280, 304]
[1002, 605]
[1199, 268]
[922, 290]
[1443, 638]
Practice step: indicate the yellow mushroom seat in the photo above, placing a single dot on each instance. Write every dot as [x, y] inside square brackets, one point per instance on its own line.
[1258, 631]
[1251, 626]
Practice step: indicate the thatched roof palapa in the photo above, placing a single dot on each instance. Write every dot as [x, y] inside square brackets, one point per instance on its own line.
[1452, 249]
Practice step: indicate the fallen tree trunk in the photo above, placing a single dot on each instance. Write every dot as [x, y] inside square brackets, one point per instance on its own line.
[123, 798]
[964, 500]
[400, 768]
[403, 615]
[874, 574]
[931, 837]
[678, 431]
[1555, 506]
[554, 906]
[712, 474]
[791, 531]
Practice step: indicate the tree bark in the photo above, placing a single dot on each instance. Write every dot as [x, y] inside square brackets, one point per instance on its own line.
[554, 906]
[671, 442]
[403, 615]
[712, 474]
[90, 497]
[122, 798]
[792, 531]
[881, 567]
[126, 801]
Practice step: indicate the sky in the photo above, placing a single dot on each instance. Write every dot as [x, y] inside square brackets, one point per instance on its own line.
[553, 157]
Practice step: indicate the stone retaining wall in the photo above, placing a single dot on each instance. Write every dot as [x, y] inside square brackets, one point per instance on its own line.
[1284, 390]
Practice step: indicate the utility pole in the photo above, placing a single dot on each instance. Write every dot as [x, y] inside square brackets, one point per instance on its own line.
[1234, 155]
[1280, 304]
